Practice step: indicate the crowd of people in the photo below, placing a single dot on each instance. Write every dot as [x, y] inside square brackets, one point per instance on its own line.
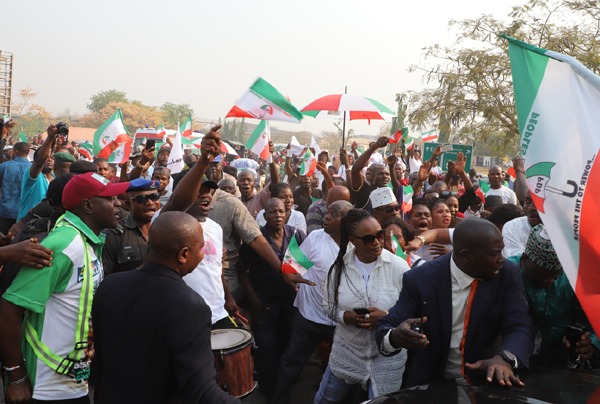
[117, 277]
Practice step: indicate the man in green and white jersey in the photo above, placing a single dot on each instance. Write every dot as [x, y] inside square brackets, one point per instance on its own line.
[46, 356]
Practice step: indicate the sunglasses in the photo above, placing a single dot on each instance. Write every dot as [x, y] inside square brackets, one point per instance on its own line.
[142, 199]
[370, 238]
[390, 209]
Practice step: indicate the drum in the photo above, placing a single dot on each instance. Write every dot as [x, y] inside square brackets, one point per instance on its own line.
[232, 349]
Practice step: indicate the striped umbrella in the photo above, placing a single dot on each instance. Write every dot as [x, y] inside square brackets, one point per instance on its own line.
[357, 107]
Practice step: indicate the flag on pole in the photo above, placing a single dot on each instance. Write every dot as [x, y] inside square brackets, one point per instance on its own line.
[295, 146]
[294, 261]
[186, 128]
[86, 150]
[258, 143]
[430, 136]
[263, 101]
[399, 135]
[112, 140]
[309, 164]
[315, 145]
[556, 95]
[175, 162]
[22, 136]
[407, 195]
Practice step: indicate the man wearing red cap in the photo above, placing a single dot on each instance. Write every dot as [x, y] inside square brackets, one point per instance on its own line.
[56, 302]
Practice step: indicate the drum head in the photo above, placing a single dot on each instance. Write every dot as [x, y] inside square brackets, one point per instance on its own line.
[229, 338]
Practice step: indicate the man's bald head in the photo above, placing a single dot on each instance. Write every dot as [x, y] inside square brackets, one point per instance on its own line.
[273, 202]
[439, 186]
[175, 240]
[338, 193]
[478, 246]
[340, 207]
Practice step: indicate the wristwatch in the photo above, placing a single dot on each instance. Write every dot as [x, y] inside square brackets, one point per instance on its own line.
[510, 358]
[422, 240]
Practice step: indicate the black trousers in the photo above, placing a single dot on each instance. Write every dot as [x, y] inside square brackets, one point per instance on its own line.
[306, 336]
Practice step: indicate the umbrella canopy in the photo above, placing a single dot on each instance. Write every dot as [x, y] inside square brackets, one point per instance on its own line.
[358, 107]
[197, 140]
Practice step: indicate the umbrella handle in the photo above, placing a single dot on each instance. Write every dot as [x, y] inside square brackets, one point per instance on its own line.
[565, 193]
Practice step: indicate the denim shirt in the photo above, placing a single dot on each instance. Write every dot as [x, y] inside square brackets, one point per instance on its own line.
[11, 174]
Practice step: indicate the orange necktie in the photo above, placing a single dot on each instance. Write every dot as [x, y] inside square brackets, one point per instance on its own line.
[466, 323]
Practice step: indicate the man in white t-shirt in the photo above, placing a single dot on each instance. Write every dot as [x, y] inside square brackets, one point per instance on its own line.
[497, 188]
[311, 325]
[516, 232]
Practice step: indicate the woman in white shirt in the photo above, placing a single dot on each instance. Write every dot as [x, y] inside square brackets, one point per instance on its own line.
[368, 278]
[293, 217]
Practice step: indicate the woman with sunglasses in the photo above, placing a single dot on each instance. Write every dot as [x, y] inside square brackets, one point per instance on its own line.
[363, 283]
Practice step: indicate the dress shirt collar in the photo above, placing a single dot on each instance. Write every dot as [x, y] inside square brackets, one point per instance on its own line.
[462, 279]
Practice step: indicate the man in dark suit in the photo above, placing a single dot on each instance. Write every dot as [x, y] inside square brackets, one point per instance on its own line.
[471, 310]
[152, 331]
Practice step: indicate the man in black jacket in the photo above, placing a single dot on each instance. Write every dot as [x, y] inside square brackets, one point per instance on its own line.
[151, 331]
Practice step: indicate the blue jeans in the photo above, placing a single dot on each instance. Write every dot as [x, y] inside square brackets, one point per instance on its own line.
[334, 390]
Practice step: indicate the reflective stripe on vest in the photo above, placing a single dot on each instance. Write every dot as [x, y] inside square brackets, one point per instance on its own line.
[41, 350]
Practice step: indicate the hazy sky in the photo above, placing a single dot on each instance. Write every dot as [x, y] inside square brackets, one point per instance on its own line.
[206, 54]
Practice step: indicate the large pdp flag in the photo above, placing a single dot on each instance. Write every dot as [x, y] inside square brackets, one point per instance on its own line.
[112, 140]
[557, 101]
[263, 101]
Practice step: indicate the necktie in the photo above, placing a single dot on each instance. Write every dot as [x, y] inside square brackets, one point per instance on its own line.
[466, 323]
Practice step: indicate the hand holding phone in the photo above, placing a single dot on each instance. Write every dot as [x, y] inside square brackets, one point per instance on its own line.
[446, 148]
[361, 310]
[150, 143]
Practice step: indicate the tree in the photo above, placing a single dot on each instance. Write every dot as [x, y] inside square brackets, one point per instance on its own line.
[102, 99]
[473, 100]
[134, 116]
[32, 118]
[175, 113]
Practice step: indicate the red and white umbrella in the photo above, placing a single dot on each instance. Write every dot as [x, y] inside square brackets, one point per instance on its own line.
[357, 107]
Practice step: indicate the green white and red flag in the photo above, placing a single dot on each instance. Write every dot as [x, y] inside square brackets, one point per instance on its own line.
[112, 140]
[258, 143]
[556, 95]
[86, 150]
[407, 194]
[186, 128]
[399, 135]
[397, 249]
[430, 136]
[263, 101]
[294, 261]
[309, 164]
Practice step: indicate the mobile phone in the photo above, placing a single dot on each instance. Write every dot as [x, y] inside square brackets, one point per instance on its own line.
[573, 333]
[150, 143]
[446, 148]
[361, 310]
[419, 327]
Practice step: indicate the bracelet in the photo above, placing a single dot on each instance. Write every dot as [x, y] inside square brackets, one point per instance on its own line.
[520, 171]
[422, 240]
[19, 381]
[12, 368]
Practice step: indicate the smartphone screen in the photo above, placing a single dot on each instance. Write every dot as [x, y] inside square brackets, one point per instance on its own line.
[361, 310]
[446, 147]
[150, 143]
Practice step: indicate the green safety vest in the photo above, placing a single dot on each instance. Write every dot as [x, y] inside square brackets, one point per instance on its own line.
[70, 364]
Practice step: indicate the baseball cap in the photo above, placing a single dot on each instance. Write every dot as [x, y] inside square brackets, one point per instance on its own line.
[209, 183]
[87, 186]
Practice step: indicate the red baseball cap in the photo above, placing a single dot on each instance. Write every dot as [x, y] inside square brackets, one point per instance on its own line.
[88, 186]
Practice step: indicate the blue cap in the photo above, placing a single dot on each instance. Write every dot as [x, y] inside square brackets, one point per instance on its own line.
[141, 184]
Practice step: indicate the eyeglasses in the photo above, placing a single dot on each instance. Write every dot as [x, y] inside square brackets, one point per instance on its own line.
[390, 209]
[142, 199]
[370, 238]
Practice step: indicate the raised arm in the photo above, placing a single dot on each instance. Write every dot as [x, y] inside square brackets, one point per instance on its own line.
[521, 188]
[391, 161]
[322, 167]
[361, 162]
[142, 164]
[273, 167]
[43, 153]
[186, 192]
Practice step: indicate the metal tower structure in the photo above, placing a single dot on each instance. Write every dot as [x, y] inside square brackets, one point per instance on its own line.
[6, 76]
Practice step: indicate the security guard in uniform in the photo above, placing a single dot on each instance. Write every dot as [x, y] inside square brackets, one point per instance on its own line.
[126, 246]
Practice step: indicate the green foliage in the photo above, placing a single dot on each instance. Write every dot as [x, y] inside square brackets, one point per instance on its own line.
[234, 130]
[103, 98]
[472, 101]
[174, 113]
